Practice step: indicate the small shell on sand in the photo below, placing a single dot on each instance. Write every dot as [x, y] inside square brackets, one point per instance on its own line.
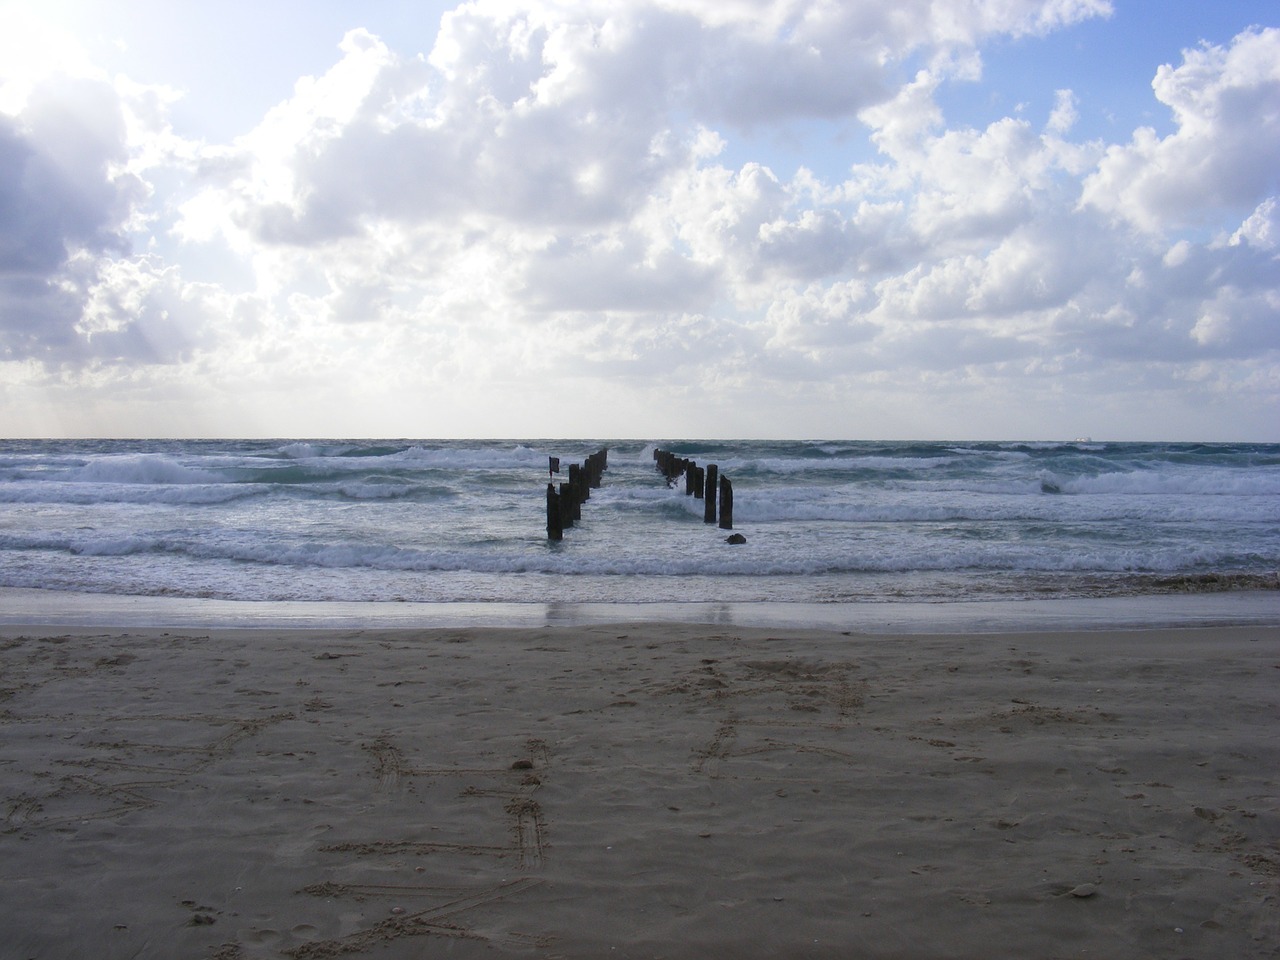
[1084, 890]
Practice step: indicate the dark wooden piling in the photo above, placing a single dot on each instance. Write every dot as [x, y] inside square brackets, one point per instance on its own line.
[705, 483]
[554, 529]
[581, 489]
[709, 502]
[570, 509]
[565, 506]
[670, 466]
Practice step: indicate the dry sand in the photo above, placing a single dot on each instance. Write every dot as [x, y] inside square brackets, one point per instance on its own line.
[639, 790]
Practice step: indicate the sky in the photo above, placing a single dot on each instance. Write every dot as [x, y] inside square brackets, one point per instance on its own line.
[654, 219]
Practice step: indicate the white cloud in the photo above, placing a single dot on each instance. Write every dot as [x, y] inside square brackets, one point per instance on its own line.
[1223, 154]
[1262, 228]
[1065, 113]
[547, 190]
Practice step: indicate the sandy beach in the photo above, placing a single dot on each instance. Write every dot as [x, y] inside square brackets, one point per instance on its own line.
[639, 790]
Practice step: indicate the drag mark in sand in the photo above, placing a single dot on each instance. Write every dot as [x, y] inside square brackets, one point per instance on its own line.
[388, 763]
[107, 778]
[783, 687]
[528, 830]
[718, 750]
[408, 787]
[524, 813]
[439, 919]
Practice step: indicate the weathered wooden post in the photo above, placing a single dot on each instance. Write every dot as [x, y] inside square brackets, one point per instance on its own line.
[581, 490]
[670, 465]
[676, 468]
[709, 501]
[569, 509]
[554, 530]
[690, 468]
[699, 479]
[709, 505]
[726, 504]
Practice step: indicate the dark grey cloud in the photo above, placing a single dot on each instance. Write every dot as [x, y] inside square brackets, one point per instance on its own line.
[44, 212]
[60, 199]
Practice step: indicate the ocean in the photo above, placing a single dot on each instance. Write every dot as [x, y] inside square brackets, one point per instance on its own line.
[465, 520]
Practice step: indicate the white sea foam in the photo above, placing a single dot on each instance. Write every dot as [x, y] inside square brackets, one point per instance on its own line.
[475, 458]
[431, 520]
[142, 468]
[84, 494]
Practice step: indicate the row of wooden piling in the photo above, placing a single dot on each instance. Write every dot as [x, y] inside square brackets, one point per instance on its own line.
[702, 483]
[564, 504]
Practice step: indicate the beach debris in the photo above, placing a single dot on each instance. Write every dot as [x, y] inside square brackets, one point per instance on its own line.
[1083, 890]
[735, 538]
[522, 765]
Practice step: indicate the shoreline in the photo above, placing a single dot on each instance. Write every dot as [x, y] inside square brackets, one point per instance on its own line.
[22, 606]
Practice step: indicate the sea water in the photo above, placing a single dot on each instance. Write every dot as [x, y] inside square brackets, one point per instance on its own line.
[465, 520]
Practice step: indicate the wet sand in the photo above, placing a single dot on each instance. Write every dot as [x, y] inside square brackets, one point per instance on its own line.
[651, 789]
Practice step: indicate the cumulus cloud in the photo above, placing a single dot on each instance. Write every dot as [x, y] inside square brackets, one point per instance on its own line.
[66, 199]
[1065, 113]
[1225, 103]
[1262, 228]
[571, 116]
[548, 184]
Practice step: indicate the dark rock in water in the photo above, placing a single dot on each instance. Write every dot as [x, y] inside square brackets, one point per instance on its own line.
[736, 538]
[1048, 486]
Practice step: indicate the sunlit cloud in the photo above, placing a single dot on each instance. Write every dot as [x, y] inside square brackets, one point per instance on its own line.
[544, 188]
